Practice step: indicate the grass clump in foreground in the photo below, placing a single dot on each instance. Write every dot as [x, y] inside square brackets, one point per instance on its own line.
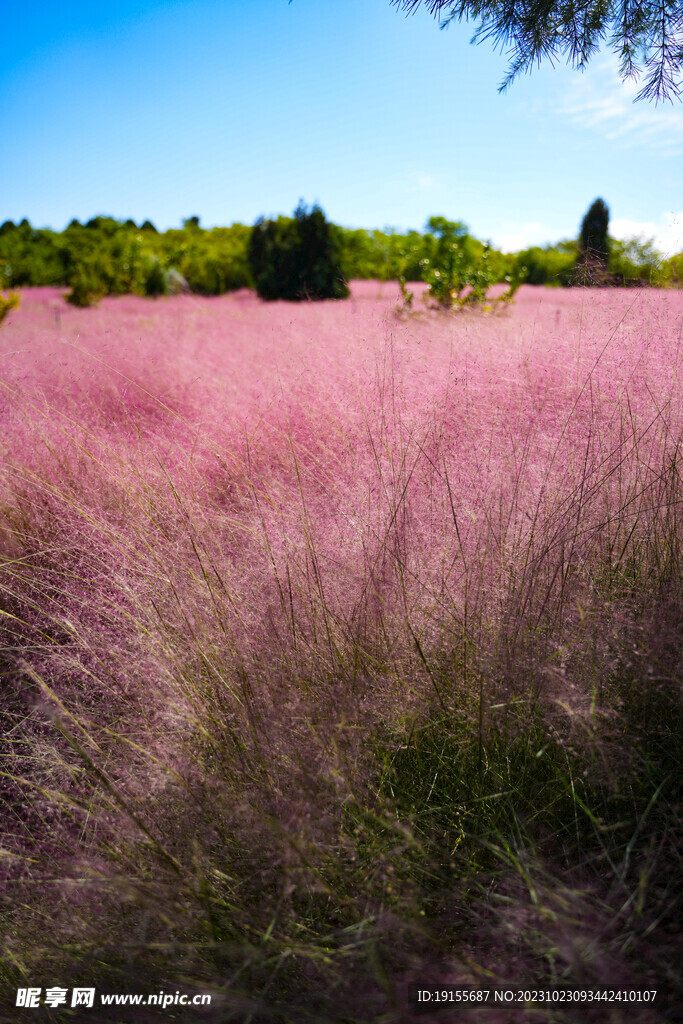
[384, 691]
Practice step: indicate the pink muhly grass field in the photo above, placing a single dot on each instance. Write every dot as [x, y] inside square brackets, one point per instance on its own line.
[245, 546]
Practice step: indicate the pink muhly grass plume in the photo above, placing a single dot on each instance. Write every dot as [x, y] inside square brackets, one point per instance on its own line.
[244, 544]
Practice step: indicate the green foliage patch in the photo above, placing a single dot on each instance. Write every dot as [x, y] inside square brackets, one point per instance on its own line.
[7, 304]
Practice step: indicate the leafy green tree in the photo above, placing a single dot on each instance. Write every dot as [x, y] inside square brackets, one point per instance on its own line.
[673, 270]
[296, 257]
[550, 265]
[634, 261]
[211, 262]
[380, 255]
[30, 257]
[646, 34]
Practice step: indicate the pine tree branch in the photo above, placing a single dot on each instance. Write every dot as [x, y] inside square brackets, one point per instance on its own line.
[532, 31]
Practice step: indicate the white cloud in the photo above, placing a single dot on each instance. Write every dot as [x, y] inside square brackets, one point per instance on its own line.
[515, 235]
[425, 181]
[414, 183]
[419, 182]
[667, 232]
[598, 99]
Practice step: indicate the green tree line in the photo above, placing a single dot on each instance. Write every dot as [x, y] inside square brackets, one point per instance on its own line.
[106, 256]
[110, 257]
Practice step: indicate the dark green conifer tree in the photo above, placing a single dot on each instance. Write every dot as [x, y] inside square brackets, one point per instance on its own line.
[296, 258]
[593, 260]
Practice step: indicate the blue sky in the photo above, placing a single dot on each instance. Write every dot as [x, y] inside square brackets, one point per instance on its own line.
[227, 110]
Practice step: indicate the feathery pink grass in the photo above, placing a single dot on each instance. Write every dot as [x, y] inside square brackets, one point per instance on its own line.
[245, 546]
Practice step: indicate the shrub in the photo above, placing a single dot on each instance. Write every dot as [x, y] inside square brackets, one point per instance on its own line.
[204, 273]
[296, 258]
[460, 270]
[447, 271]
[87, 287]
[6, 304]
[155, 279]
